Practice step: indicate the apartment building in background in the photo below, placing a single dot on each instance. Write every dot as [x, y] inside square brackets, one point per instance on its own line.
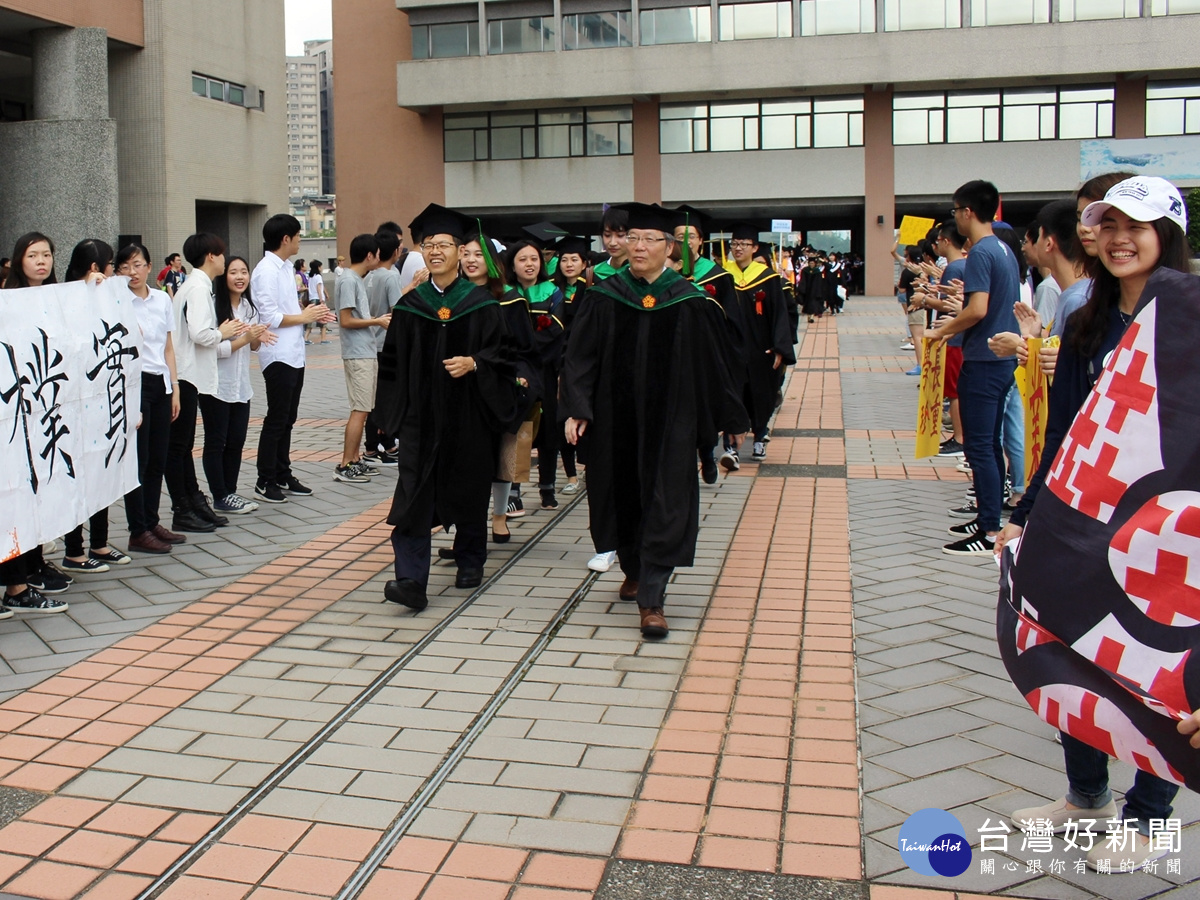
[322, 52]
[141, 118]
[303, 128]
[836, 114]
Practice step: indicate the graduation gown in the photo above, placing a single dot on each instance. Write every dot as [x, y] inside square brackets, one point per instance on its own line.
[646, 367]
[448, 428]
[812, 291]
[760, 297]
[515, 312]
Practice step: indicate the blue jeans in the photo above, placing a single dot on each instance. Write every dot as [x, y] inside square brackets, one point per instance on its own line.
[1087, 777]
[1013, 438]
[982, 387]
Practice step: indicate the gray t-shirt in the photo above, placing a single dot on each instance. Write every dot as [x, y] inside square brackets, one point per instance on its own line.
[383, 293]
[1045, 299]
[357, 343]
[1071, 299]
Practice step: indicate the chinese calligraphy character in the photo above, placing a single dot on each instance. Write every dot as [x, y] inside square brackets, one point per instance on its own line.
[1057, 867]
[1120, 834]
[1080, 866]
[987, 866]
[43, 383]
[1173, 867]
[997, 842]
[1073, 832]
[111, 362]
[1033, 865]
[1039, 836]
[1164, 835]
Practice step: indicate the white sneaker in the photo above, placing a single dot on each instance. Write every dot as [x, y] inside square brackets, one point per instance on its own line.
[907, 345]
[760, 451]
[1129, 858]
[1058, 815]
[602, 562]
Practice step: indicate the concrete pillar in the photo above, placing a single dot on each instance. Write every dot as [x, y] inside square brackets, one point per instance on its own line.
[58, 171]
[70, 73]
[647, 162]
[1129, 107]
[879, 208]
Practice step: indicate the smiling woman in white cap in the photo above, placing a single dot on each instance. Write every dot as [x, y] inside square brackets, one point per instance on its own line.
[1140, 226]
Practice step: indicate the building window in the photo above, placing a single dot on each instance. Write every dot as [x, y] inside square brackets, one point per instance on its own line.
[1011, 114]
[1082, 10]
[916, 15]
[531, 35]
[225, 91]
[770, 125]
[587, 31]
[1172, 108]
[681, 25]
[752, 21]
[447, 40]
[539, 134]
[1174, 7]
[837, 16]
[1010, 12]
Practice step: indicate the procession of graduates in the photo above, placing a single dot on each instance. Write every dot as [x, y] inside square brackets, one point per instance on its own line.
[639, 366]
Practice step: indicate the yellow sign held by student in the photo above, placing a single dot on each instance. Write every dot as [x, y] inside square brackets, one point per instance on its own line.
[913, 229]
[929, 403]
[1036, 397]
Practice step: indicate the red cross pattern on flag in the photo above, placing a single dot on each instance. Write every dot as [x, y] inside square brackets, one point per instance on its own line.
[1114, 440]
[1155, 557]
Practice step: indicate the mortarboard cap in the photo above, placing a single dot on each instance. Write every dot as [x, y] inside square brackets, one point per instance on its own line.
[573, 244]
[648, 216]
[744, 231]
[694, 218]
[545, 233]
[435, 219]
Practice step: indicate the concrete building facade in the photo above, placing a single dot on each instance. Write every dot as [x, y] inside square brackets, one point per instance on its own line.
[322, 52]
[836, 114]
[130, 118]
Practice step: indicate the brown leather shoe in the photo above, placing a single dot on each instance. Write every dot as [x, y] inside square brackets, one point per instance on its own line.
[146, 542]
[654, 623]
[628, 590]
[167, 537]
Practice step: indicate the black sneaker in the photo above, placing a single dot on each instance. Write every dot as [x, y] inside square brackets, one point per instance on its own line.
[381, 459]
[47, 582]
[950, 448]
[548, 500]
[516, 508]
[53, 570]
[293, 486]
[977, 544]
[89, 566]
[967, 511]
[708, 468]
[964, 529]
[270, 492]
[31, 600]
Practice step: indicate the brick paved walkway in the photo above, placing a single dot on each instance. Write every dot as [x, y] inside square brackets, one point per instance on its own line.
[245, 719]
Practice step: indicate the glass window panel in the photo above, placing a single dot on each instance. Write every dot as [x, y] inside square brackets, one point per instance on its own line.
[1165, 116]
[1009, 12]
[199, 85]
[965, 126]
[529, 143]
[506, 119]
[585, 31]
[554, 141]
[803, 131]
[973, 98]
[460, 146]
[836, 16]
[1022, 96]
[720, 110]
[726, 134]
[778, 132]
[831, 130]
[1048, 116]
[1175, 7]
[676, 26]
[471, 120]
[625, 134]
[1076, 120]
[785, 107]
[751, 129]
[577, 139]
[1081, 10]
[1022, 123]
[937, 126]
[506, 143]
[682, 112]
[1163, 90]
[602, 139]
[675, 136]
[700, 134]
[1104, 120]
[751, 21]
[237, 95]
[616, 114]
[856, 129]
[918, 101]
[420, 42]
[1086, 95]
[560, 117]
[216, 89]
[481, 144]
[843, 104]
[1191, 116]
[783, 19]
[450, 40]
[991, 124]
[911, 15]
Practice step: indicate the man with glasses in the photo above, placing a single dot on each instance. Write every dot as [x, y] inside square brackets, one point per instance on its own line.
[768, 342]
[447, 390]
[646, 380]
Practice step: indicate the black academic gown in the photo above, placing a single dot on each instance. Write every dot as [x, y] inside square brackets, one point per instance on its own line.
[515, 311]
[647, 368]
[448, 428]
[760, 296]
[812, 294]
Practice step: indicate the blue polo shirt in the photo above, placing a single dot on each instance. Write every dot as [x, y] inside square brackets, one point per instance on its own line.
[991, 268]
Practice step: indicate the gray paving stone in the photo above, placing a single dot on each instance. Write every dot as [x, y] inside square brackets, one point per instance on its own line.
[541, 834]
[935, 756]
[190, 795]
[948, 789]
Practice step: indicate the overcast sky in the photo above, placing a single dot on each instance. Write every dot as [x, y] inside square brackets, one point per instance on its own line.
[307, 20]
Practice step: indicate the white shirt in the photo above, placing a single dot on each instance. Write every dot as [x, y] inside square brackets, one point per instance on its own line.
[316, 288]
[197, 337]
[156, 319]
[233, 366]
[413, 263]
[273, 287]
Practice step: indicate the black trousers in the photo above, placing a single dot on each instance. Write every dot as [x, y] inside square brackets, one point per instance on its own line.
[567, 452]
[181, 468]
[153, 439]
[549, 434]
[225, 426]
[17, 571]
[651, 578]
[413, 553]
[284, 385]
[97, 532]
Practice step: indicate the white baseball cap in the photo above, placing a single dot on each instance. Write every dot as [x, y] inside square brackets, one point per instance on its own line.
[1144, 198]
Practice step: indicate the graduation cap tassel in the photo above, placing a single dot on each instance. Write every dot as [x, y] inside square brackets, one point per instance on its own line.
[485, 245]
[688, 264]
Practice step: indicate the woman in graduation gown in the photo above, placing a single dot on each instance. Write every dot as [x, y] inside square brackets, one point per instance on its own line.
[645, 382]
[448, 390]
[571, 278]
[545, 302]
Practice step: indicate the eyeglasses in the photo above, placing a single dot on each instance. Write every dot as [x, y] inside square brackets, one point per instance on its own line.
[955, 209]
[742, 245]
[440, 247]
[636, 239]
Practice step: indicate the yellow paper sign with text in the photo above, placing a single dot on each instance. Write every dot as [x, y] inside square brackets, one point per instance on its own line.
[929, 403]
[913, 229]
[1036, 399]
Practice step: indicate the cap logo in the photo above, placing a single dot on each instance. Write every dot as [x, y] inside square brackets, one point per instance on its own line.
[1131, 189]
[1176, 207]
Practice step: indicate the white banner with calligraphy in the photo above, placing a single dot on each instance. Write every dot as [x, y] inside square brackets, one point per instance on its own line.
[70, 402]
